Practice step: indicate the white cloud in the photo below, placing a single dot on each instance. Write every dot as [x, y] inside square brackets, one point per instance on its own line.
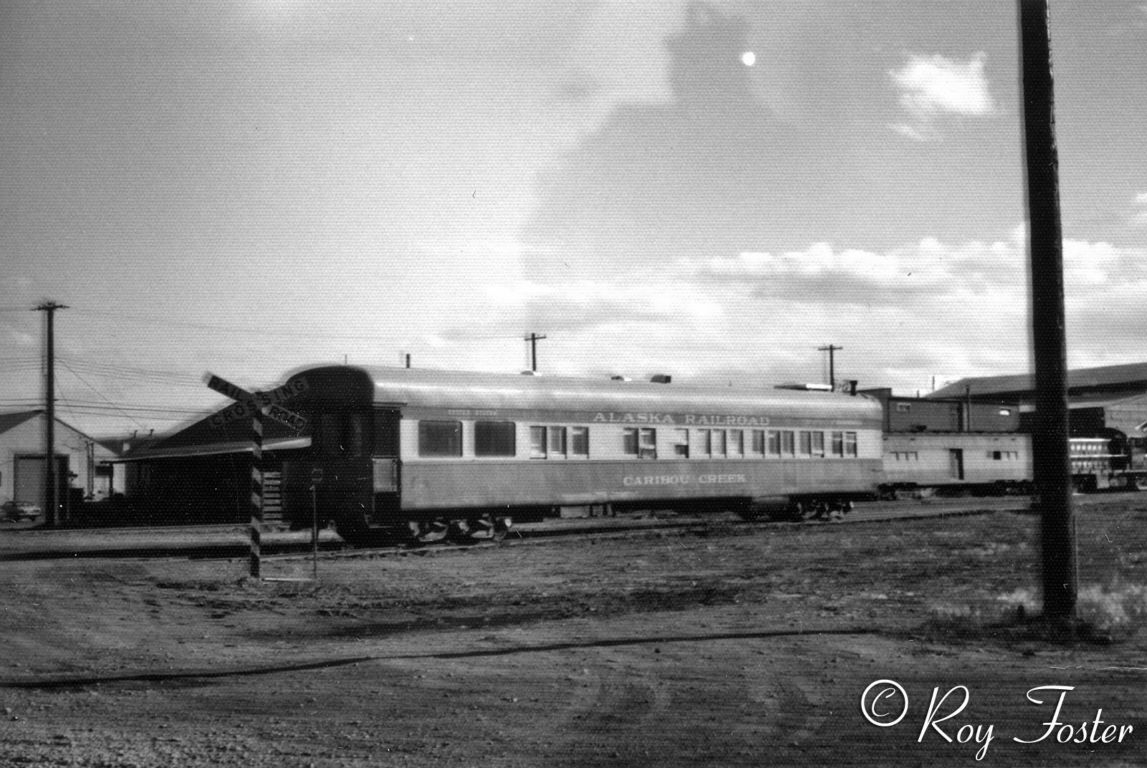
[903, 315]
[931, 87]
[1139, 216]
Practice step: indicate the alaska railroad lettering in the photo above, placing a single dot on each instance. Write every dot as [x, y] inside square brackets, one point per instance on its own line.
[688, 419]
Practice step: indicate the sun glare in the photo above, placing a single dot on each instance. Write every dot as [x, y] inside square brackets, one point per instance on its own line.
[748, 58]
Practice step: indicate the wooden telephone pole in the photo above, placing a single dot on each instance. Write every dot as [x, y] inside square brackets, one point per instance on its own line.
[831, 363]
[1051, 458]
[51, 482]
[534, 338]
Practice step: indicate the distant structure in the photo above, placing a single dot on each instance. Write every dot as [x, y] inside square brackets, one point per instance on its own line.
[913, 414]
[83, 464]
[1109, 399]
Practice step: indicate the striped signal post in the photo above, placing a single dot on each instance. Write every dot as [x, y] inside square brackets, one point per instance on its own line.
[256, 491]
[256, 405]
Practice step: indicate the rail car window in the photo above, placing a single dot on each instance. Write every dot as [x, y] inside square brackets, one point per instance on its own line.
[386, 433]
[629, 441]
[640, 442]
[719, 442]
[736, 444]
[703, 445]
[537, 442]
[557, 441]
[681, 443]
[838, 444]
[356, 434]
[788, 443]
[648, 441]
[561, 443]
[579, 441]
[774, 443]
[850, 444]
[818, 444]
[339, 433]
[439, 438]
[806, 443]
[494, 438]
[758, 442]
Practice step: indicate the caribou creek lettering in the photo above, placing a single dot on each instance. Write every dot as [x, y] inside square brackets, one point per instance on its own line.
[683, 479]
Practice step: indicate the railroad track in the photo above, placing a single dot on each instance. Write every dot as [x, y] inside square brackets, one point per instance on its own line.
[231, 541]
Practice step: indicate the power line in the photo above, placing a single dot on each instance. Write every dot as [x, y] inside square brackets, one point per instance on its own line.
[101, 395]
[138, 375]
[263, 331]
[108, 406]
[249, 330]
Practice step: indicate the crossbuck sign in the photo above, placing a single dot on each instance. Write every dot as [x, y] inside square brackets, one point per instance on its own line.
[255, 405]
[268, 403]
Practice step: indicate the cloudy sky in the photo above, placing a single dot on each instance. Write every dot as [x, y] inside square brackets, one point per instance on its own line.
[711, 191]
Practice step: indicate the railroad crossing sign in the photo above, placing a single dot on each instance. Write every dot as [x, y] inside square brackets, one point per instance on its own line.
[268, 403]
[255, 405]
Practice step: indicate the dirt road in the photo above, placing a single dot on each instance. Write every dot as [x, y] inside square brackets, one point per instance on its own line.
[743, 647]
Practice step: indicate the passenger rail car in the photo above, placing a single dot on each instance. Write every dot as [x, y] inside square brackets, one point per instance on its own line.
[922, 463]
[956, 462]
[428, 450]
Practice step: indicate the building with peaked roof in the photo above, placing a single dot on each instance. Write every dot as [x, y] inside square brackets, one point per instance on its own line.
[84, 463]
[1102, 401]
[1111, 380]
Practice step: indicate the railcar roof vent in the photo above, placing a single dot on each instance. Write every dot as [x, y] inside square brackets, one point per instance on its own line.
[805, 387]
[661, 378]
[529, 373]
[619, 377]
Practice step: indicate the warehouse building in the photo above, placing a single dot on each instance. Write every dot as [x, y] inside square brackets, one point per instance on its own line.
[1107, 400]
[84, 468]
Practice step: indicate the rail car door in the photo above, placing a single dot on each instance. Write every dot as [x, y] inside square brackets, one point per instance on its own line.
[956, 463]
[386, 466]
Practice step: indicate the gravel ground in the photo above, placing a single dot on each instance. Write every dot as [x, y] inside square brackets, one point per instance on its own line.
[740, 647]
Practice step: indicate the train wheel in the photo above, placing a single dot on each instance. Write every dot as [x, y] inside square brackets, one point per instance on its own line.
[429, 532]
[813, 510]
[353, 531]
[485, 528]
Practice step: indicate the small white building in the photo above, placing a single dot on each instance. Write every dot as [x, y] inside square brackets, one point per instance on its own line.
[84, 464]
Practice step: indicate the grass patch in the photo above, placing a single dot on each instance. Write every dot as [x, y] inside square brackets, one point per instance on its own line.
[1104, 614]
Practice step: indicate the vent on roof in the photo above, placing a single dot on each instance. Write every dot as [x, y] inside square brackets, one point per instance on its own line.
[661, 378]
[805, 387]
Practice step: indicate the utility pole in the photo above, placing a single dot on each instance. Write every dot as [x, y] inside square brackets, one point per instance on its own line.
[831, 367]
[1051, 457]
[534, 338]
[51, 487]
